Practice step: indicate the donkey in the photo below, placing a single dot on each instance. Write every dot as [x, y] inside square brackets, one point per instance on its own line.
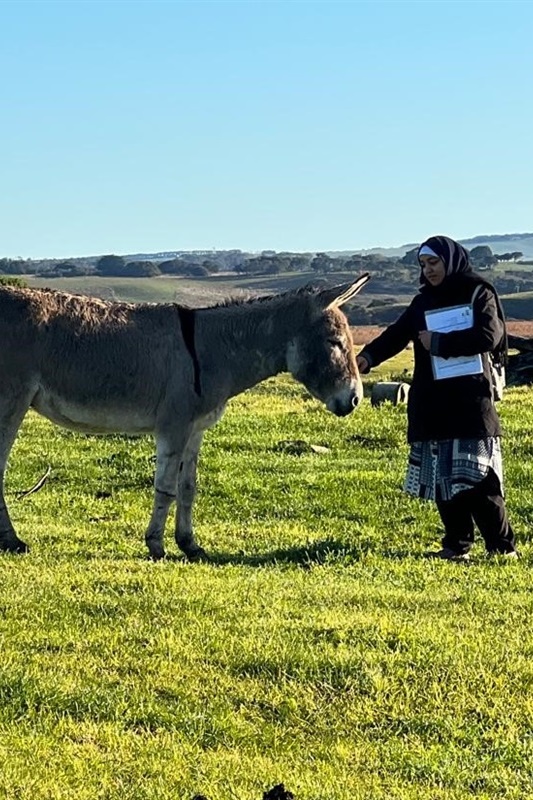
[101, 367]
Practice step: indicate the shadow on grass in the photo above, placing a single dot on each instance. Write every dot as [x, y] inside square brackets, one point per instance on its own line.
[325, 551]
[321, 552]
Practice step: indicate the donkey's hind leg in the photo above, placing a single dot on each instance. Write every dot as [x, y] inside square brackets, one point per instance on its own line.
[11, 416]
[185, 499]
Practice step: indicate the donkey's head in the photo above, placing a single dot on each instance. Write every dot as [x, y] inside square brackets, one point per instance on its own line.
[322, 355]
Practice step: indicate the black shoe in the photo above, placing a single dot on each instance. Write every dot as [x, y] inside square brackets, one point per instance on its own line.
[511, 554]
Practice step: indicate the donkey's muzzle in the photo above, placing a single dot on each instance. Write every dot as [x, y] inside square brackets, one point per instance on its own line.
[341, 407]
[343, 401]
[343, 411]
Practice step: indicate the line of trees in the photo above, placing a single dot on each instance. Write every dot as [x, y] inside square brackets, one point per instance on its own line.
[390, 275]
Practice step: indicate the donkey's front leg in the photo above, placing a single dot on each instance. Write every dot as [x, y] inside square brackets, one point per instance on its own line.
[12, 411]
[186, 494]
[9, 540]
[169, 453]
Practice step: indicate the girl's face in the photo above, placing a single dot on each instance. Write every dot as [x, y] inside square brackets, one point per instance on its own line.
[434, 269]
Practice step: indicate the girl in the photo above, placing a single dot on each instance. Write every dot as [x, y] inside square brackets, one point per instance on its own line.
[453, 427]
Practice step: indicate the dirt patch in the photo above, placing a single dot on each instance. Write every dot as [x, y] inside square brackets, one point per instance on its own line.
[520, 327]
[363, 334]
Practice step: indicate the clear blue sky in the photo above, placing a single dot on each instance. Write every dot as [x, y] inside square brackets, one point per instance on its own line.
[145, 126]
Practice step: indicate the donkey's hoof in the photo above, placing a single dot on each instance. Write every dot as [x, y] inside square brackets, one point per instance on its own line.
[14, 546]
[196, 554]
[156, 551]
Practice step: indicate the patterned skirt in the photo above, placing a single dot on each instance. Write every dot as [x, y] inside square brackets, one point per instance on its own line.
[438, 470]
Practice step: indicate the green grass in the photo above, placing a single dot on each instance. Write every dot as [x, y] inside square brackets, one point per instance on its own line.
[318, 648]
[131, 290]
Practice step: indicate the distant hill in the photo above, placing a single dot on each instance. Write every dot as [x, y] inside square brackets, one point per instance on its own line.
[504, 243]
[498, 243]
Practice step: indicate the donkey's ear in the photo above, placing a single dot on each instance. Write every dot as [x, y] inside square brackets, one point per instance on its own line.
[337, 296]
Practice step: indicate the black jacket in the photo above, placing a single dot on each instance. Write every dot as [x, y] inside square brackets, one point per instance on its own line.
[453, 408]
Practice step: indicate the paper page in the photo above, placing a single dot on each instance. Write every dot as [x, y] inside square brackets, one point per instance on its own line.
[444, 320]
[455, 318]
[455, 367]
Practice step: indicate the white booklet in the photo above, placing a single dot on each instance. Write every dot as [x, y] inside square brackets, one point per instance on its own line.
[444, 320]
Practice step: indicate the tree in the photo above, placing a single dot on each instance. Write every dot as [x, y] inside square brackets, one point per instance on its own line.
[65, 269]
[250, 265]
[141, 269]
[322, 263]
[15, 266]
[264, 265]
[110, 265]
[228, 259]
[354, 264]
[300, 263]
[481, 256]
[508, 256]
[411, 257]
[174, 266]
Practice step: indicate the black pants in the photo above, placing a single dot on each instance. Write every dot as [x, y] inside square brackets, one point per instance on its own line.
[483, 505]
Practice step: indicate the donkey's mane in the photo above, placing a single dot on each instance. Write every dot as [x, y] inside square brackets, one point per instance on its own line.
[307, 290]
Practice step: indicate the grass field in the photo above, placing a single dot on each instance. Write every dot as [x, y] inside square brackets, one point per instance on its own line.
[319, 648]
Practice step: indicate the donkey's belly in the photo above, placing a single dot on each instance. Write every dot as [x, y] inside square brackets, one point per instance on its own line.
[93, 418]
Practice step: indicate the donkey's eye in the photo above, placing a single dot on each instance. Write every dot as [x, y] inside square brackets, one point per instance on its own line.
[335, 342]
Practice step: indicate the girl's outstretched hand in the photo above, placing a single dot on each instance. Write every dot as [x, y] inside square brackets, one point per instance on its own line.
[362, 364]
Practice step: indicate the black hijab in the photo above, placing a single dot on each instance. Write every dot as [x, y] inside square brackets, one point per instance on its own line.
[453, 254]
